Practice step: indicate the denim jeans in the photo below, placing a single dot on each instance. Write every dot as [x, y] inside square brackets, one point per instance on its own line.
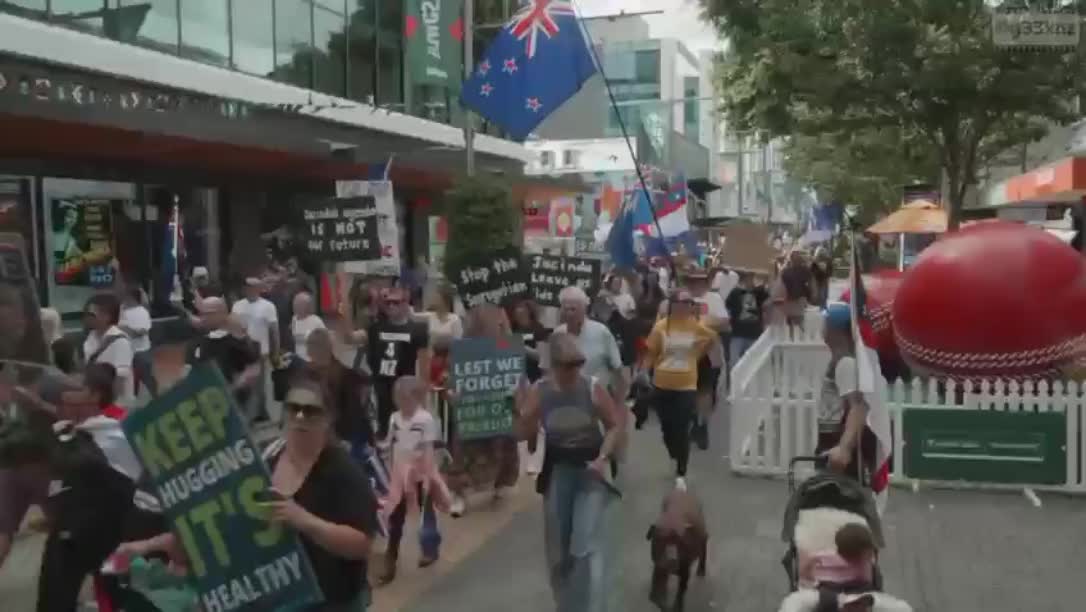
[739, 347]
[574, 527]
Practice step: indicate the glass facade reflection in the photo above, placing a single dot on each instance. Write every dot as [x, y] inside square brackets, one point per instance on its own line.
[347, 48]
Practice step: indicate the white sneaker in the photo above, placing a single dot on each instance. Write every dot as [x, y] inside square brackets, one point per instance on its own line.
[456, 508]
[680, 483]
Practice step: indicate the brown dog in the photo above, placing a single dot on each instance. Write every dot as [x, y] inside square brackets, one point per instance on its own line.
[678, 538]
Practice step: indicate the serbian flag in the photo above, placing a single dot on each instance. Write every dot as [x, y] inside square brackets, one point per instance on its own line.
[869, 374]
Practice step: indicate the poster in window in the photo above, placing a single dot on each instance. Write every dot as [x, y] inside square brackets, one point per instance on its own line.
[82, 242]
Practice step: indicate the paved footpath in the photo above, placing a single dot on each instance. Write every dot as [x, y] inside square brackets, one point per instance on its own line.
[947, 551]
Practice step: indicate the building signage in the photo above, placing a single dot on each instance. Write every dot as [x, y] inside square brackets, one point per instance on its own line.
[485, 373]
[549, 275]
[86, 92]
[213, 486]
[985, 446]
[434, 30]
[495, 279]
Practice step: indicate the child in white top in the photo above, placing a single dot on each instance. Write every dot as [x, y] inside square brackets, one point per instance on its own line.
[412, 435]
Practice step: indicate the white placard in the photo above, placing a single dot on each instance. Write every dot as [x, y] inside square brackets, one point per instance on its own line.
[388, 231]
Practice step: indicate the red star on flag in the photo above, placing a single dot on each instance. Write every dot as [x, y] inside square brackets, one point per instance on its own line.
[484, 67]
[510, 65]
[456, 29]
[533, 104]
[486, 89]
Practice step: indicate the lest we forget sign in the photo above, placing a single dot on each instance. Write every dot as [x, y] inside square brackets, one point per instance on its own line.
[491, 279]
[485, 373]
[210, 479]
[549, 275]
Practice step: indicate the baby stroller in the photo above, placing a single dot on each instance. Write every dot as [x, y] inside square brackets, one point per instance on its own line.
[817, 509]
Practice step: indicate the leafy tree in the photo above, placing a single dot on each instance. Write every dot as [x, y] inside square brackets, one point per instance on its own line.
[866, 168]
[928, 68]
[481, 218]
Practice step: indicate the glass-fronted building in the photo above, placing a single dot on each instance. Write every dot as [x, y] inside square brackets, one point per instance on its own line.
[351, 49]
[227, 110]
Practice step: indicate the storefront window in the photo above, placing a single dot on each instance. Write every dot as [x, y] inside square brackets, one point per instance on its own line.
[362, 41]
[330, 42]
[390, 55]
[293, 42]
[84, 15]
[254, 37]
[34, 9]
[205, 31]
[158, 28]
[82, 222]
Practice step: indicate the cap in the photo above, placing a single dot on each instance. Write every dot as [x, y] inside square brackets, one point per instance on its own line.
[837, 315]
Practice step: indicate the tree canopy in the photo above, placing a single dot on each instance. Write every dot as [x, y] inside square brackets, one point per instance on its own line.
[927, 70]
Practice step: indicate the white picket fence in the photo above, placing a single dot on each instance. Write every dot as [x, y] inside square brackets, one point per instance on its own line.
[774, 399]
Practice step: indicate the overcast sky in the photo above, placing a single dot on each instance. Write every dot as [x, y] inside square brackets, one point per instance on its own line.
[679, 20]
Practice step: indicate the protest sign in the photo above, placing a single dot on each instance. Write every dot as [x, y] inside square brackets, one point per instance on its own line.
[341, 229]
[493, 279]
[387, 263]
[485, 373]
[550, 275]
[747, 249]
[210, 480]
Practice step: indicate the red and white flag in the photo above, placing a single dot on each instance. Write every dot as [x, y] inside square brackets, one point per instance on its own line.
[869, 374]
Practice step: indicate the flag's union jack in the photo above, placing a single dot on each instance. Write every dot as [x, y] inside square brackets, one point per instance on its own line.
[538, 60]
[536, 17]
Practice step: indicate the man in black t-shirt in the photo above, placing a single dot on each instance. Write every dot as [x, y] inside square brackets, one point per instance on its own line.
[746, 309]
[397, 347]
[234, 356]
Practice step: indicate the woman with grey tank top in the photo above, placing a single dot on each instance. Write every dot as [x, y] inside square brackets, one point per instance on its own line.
[579, 420]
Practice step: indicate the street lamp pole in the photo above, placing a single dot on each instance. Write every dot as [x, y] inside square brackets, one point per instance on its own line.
[469, 67]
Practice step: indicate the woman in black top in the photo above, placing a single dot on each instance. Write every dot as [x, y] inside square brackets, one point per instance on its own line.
[327, 497]
[320, 493]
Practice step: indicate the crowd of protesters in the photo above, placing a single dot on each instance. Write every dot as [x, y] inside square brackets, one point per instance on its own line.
[366, 412]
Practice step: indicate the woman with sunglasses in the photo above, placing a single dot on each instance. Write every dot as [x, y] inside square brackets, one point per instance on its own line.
[580, 423]
[323, 495]
[318, 491]
[677, 343]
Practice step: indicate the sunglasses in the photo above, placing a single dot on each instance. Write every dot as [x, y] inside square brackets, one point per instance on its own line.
[304, 411]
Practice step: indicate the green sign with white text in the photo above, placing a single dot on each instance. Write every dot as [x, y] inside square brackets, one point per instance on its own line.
[209, 478]
[986, 446]
[484, 373]
[434, 30]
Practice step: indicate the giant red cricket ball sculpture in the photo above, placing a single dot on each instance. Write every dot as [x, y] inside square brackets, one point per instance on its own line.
[881, 288]
[995, 299]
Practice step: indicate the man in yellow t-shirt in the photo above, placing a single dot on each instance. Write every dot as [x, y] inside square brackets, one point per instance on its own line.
[674, 347]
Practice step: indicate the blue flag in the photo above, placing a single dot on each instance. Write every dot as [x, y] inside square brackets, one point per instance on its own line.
[620, 242]
[537, 61]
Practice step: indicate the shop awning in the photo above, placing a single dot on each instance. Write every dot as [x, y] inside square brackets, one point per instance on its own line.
[1062, 182]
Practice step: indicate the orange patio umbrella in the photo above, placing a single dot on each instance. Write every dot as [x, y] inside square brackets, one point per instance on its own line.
[919, 217]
